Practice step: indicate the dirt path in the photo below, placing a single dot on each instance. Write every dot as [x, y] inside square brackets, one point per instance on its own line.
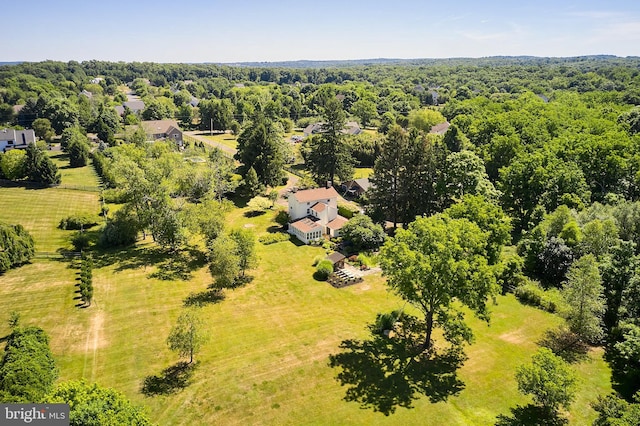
[94, 341]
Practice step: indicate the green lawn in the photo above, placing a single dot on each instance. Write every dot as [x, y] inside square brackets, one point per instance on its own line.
[362, 172]
[226, 139]
[84, 177]
[40, 212]
[266, 361]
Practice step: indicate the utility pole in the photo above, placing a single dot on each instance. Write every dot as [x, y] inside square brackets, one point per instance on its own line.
[211, 128]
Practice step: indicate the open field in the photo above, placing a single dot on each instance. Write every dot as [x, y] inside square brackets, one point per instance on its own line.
[266, 360]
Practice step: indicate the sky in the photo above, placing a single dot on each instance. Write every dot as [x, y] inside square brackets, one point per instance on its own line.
[230, 31]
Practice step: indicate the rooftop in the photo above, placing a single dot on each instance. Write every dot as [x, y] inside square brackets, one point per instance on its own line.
[337, 223]
[317, 194]
[319, 207]
[306, 225]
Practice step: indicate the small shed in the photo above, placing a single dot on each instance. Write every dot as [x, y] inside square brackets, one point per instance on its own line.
[337, 259]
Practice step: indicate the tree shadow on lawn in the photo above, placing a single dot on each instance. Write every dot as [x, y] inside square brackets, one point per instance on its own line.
[384, 373]
[531, 415]
[210, 296]
[565, 344]
[178, 265]
[254, 213]
[171, 380]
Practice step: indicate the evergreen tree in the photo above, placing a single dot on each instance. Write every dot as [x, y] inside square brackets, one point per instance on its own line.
[261, 146]
[330, 154]
[385, 191]
[39, 167]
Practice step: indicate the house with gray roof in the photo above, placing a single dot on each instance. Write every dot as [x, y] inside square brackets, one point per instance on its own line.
[163, 129]
[11, 138]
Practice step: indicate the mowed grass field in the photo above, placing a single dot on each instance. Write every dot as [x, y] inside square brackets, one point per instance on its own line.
[267, 358]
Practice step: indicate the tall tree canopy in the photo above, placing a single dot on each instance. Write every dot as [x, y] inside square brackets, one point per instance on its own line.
[261, 146]
[39, 167]
[16, 246]
[27, 368]
[329, 154]
[435, 261]
[94, 405]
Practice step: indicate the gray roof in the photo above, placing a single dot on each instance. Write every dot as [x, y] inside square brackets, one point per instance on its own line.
[134, 106]
[336, 257]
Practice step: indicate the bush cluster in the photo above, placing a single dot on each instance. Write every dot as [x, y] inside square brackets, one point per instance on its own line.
[532, 293]
[276, 237]
[78, 222]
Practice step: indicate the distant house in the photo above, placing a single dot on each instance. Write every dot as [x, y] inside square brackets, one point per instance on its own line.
[440, 129]
[134, 106]
[356, 187]
[162, 129]
[350, 128]
[10, 138]
[314, 213]
[87, 93]
[96, 80]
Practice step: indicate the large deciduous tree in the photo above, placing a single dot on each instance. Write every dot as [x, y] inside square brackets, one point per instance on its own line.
[583, 294]
[363, 233]
[16, 246]
[548, 379]
[245, 249]
[187, 336]
[436, 261]
[27, 368]
[12, 164]
[489, 217]
[92, 404]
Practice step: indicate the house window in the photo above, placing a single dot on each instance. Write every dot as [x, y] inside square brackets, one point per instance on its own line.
[24, 140]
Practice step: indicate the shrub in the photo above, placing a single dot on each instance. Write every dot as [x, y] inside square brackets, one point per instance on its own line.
[323, 270]
[80, 241]
[277, 237]
[510, 275]
[282, 217]
[368, 261]
[78, 222]
[121, 231]
[317, 260]
[532, 293]
[347, 210]
[114, 196]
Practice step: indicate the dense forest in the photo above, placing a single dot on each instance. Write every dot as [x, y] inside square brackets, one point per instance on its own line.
[542, 155]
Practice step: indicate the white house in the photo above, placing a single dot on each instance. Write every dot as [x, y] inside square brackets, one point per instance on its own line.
[314, 213]
[10, 138]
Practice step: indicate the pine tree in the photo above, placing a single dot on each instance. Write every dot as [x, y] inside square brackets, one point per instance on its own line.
[330, 154]
[260, 146]
[39, 167]
[385, 191]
